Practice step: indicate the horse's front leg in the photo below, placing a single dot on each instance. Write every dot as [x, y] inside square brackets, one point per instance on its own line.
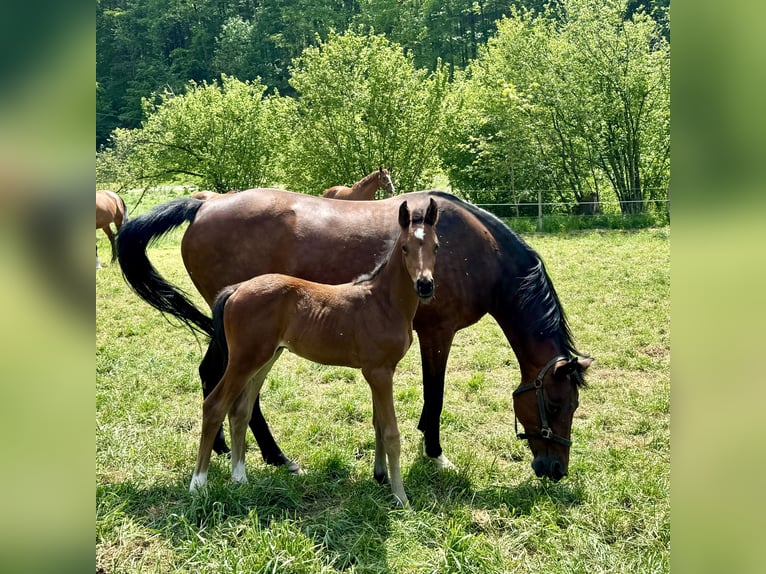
[434, 352]
[381, 384]
[380, 470]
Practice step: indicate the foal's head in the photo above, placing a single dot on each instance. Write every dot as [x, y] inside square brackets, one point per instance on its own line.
[419, 245]
[385, 183]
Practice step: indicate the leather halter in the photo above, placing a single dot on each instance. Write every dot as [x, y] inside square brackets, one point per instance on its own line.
[546, 433]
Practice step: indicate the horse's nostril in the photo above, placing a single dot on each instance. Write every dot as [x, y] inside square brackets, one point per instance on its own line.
[424, 287]
[557, 471]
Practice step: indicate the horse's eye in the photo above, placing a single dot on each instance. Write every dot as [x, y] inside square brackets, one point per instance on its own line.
[404, 248]
[436, 248]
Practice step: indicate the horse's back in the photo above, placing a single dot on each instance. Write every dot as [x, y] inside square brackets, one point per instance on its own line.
[335, 192]
[274, 231]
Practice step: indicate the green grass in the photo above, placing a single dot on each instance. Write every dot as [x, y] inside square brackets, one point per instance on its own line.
[491, 515]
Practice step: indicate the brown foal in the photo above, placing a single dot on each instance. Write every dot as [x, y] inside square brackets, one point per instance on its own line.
[365, 324]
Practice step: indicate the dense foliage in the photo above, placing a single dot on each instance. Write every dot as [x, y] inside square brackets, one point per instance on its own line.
[361, 105]
[569, 97]
[570, 101]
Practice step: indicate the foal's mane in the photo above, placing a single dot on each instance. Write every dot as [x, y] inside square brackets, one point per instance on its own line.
[416, 218]
[535, 300]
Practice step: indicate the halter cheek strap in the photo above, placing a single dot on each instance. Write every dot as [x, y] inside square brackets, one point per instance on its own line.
[546, 433]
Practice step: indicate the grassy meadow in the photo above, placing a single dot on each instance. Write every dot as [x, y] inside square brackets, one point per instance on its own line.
[610, 515]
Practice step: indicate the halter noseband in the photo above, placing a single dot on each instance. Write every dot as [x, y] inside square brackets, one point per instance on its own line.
[546, 433]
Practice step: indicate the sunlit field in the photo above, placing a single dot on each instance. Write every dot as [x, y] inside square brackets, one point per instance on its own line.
[611, 514]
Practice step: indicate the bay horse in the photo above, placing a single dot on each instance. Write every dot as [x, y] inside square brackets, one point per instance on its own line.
[483, 267]
[205, 194]
[110, 208]
[365, 188]
[365, 324]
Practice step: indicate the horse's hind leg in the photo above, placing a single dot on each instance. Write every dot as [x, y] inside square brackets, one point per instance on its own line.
[214, 409]
[270, 450]
[110, 235]
[211, 370]
[239, 415]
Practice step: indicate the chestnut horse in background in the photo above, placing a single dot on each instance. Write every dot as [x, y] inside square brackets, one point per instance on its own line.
[365, 188]
[483, 268]
[205, 195]
[110, 208]
[366, 324]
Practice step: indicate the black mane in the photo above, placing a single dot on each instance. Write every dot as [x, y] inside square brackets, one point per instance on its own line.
[535, 299]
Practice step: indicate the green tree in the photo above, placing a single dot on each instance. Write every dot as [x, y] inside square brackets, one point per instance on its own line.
[362, 104]
[220, 136]
[569, 100]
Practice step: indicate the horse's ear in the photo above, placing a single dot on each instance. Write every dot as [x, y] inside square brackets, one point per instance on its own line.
[432, 213]
[404, 215]
[574, 364]
[380, 169]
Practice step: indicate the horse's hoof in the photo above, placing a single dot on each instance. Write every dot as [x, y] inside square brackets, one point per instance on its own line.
[294, 468]
[382, 477]
[442, 462]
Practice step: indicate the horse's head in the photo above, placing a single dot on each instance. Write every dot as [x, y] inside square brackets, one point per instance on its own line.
[545, 408]
[385, 183]
[419, 246]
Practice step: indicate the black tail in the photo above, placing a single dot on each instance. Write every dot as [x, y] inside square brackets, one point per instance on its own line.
[219, 334]
[134, 238]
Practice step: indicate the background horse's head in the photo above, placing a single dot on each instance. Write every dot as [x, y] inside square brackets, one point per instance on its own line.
[419, 245]
[385, 183]
[545, 408]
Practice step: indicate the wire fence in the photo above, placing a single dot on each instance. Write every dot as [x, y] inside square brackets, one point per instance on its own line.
[610, 211]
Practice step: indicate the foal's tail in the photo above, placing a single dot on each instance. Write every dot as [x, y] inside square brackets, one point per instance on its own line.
[219, 334]
[134, 238]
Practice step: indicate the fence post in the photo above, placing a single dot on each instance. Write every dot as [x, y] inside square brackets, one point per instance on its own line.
[539, 210]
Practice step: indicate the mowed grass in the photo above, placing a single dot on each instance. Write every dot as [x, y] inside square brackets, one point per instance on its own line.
[490, 515]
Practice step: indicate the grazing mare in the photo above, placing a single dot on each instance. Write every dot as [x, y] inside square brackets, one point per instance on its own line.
[366, 324]
[365, 188]
[483, 267]
[110, 208]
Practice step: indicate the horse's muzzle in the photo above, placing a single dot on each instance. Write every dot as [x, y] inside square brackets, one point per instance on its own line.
[424, 287]
[550, 468]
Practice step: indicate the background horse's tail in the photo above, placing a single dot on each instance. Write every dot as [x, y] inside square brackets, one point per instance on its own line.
[219, 334]
[134, 238]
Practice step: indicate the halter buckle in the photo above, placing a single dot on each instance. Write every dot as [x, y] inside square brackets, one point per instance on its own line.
[546, 433]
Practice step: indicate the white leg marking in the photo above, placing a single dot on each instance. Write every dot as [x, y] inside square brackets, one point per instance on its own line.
[238, 473]
[442, 462]
[198, 482]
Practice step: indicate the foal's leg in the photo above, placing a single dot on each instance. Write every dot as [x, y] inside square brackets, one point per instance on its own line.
[380, 470]
[214, 409]
[381, 384]
[239, 415]
[211, 370]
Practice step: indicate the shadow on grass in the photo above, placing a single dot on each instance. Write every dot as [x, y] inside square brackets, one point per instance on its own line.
[438, 491]
[345, 517]
[331, 512]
